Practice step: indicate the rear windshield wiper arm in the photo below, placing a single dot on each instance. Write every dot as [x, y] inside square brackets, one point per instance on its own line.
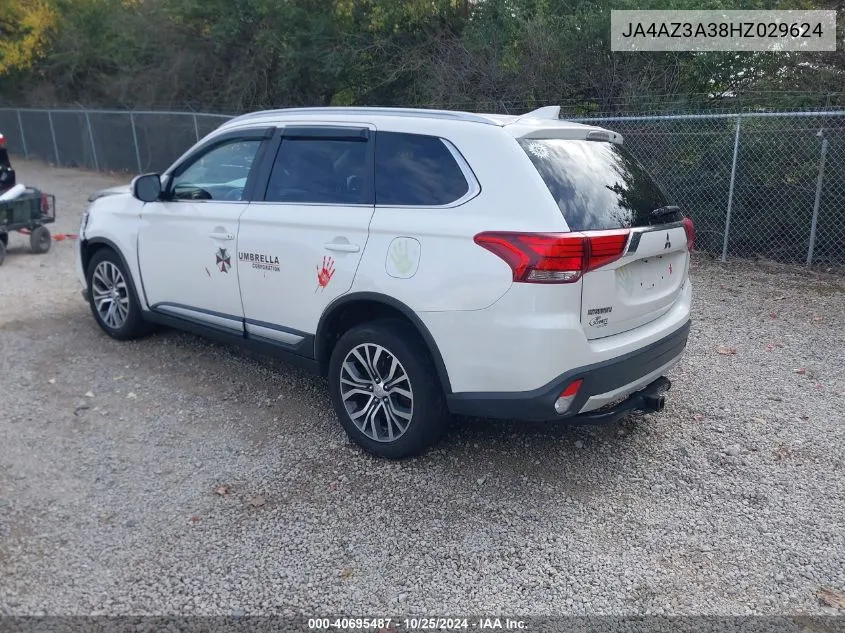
[662, 211]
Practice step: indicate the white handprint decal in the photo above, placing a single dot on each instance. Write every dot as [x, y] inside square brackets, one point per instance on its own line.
[403, 257]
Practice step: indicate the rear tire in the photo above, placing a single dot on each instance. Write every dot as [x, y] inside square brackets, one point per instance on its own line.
[40, 240]
[112, 297]
[385, 389]
[2, 251]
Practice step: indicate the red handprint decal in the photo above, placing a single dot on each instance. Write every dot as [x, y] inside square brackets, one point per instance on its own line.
[324, 273]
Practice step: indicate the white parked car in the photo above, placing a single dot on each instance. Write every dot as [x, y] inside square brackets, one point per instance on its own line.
[425, 262]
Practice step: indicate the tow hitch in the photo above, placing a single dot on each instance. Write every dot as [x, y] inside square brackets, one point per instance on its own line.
[651, 399]
[654, 396]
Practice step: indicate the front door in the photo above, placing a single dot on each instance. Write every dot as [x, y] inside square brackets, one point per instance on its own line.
[299, 248]
[187, 245]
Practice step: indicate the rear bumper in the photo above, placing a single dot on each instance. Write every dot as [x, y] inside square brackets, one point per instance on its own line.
[623, 374]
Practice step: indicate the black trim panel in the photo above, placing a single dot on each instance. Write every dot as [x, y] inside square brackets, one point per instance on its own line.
[273, 349]
[303, 348]
[274, 326]
[538, 404]
[326, 132]
[397, 305]
[182, 306]
[636, 236]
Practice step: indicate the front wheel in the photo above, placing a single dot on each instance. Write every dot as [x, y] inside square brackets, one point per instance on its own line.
[385, 390]
[112, 297]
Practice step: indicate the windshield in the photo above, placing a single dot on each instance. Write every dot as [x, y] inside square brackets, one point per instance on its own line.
[596, 185]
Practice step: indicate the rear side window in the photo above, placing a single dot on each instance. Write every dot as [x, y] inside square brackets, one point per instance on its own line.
[416, 170]
[596, 185]
[320, 171]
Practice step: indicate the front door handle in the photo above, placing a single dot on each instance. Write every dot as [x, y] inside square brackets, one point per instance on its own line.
[341, 247]
[221, 236]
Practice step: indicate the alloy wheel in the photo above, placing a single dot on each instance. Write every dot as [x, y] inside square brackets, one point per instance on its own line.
[376, 392]
[110, 294]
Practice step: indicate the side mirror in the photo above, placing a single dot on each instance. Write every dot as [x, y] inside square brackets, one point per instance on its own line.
[147, 187]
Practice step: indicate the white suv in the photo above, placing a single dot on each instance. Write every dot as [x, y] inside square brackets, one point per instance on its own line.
[425, 262]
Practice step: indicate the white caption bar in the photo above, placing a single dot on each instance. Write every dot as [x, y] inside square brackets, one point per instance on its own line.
[776, 31]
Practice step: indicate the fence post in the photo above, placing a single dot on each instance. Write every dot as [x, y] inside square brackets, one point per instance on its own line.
[815, 220]
[91, 138]
[23, 136]
[196, 129]
[731, 190]
[53, 134]
[135, 140]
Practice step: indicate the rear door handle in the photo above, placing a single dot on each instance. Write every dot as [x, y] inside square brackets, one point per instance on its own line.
[221, 236]
[340, 247]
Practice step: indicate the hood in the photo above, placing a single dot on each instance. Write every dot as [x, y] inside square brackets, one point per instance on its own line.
[111, 191]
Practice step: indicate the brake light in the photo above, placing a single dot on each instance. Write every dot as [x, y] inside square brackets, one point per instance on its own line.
[554, 258]
[689, 227]
[2, 141]
[45, 204]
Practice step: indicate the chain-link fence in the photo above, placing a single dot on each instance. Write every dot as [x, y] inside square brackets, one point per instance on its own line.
[756, 184]
[765, 184]
[104, 140]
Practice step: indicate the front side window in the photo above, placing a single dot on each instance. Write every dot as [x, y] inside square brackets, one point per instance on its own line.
[219, 174]
[321, 171]
[416, 170]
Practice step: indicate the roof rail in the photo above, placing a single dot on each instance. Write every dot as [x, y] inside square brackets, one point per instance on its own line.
[549, 112]
[363, 111]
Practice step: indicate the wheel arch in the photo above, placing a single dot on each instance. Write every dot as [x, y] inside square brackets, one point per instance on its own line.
[353, 309]
[89, 247]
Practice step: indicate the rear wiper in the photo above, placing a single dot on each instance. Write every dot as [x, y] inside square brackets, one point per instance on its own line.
[662, 211]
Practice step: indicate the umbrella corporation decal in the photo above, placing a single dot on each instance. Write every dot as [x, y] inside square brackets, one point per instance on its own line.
[263, 261]
[224, 262]
[259, 261]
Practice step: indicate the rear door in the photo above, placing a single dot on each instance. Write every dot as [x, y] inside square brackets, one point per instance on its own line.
[598, 186]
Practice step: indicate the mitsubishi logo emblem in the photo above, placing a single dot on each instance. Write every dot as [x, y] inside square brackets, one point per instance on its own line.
[668, 243]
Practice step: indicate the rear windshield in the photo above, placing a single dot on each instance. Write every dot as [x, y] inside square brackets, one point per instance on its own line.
[597, 185]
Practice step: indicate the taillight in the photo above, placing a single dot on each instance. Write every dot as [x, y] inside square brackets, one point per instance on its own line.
[45, 204]
[689, 227]
[554, 258]
[2, 141]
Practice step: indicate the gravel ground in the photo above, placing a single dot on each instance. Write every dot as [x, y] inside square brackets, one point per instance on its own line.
[176, 476]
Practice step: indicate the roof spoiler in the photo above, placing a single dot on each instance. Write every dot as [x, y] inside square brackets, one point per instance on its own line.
[549, 113]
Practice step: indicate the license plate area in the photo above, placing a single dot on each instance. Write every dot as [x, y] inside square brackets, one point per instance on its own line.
[647, 276]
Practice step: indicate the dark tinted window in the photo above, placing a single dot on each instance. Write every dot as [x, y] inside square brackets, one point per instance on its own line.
[416, 170]
[597, 185]
[327, 171]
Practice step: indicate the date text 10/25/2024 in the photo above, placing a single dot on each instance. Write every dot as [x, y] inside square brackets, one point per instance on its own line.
[391, 625]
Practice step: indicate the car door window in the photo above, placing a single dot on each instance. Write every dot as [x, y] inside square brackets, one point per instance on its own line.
[321, 171]
[219, 174]
[416, 170]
